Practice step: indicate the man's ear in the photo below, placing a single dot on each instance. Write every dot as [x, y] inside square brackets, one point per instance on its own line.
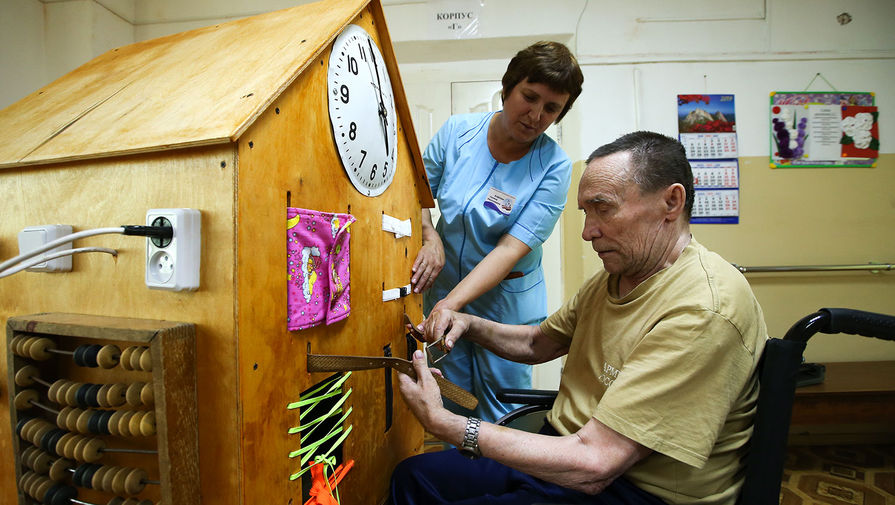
[675, 198]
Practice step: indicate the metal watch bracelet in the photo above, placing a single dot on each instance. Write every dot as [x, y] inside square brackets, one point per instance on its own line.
[470, 445]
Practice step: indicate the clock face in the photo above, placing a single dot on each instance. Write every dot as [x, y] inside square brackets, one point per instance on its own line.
[362, 111]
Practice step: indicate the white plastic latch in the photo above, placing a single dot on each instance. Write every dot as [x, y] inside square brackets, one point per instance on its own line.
[396, 226]
[395, 293]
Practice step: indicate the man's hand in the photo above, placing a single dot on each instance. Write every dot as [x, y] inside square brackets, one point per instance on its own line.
[424, 397]
[445, 323]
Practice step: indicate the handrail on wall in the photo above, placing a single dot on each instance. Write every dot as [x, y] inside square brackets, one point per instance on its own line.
[871, 267]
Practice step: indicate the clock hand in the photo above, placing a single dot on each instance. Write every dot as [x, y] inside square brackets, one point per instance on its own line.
[382, 113]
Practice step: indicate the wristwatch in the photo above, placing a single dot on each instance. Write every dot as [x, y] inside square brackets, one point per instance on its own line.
[470, 445]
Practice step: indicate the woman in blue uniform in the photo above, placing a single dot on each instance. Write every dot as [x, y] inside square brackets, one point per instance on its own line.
[501, 184]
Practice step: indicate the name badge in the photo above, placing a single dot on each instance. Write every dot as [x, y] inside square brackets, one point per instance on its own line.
[500, 201]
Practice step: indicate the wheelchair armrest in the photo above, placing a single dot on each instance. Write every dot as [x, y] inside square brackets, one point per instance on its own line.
[527, 396]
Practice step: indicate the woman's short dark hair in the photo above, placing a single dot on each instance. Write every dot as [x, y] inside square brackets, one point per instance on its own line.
[657, 161]
[549, 63]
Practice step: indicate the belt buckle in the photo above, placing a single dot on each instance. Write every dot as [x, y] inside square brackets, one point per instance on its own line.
[436, 350]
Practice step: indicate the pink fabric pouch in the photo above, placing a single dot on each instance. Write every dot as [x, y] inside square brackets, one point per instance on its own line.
[317, 267]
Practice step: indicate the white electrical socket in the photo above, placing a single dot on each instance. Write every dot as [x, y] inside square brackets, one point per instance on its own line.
[173, 264]
[34, 237]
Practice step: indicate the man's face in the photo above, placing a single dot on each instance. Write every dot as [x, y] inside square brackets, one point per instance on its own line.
[623, 226]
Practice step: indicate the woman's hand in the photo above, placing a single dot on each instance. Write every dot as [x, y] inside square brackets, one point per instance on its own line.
[429, 261]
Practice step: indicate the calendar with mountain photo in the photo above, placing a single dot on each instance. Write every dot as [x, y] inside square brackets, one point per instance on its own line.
[707, 130]
[707, 126]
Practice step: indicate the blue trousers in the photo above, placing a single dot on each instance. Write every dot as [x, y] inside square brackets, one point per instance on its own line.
[447, 477]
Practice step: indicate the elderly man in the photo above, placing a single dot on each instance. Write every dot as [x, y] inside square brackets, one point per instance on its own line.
[659, 387]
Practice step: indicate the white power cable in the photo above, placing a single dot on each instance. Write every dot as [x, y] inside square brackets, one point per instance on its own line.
[56, 243]
[58, 254]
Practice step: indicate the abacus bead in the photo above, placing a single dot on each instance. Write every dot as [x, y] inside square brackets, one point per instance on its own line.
[71, 393]
[113, 422]
[97, 482]
[38, 349]
[42, 486]
[39, 433]
[147, 424]
[124, 423]
[147, 396]
[93, 395]
[78, 355]
[24, 398]
[63, 496]
[24, 377]
[146, 360]
[79, 443]
[117, 395]
[90, 355]
[134, 425]
[15, 342]
[135, 481]
[81, 395]
[59, 469]
[42, 462]
[88, 475]
[108, 356]
[109, 477]
[83, 423]
[78, 477]
[133, 394]
[54, 441]
[135, 358]
[21, 423]
[104, 422]
[92, 451]
[62, 443]
[125, 359]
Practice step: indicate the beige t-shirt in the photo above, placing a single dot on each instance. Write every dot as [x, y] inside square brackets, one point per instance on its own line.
[672, 365]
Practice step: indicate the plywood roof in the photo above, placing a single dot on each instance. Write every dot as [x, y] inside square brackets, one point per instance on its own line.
[199, 87]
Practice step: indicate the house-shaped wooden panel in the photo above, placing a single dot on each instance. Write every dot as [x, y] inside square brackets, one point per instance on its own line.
[231, 120]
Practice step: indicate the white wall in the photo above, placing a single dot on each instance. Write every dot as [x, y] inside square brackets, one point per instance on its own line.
[22, 67]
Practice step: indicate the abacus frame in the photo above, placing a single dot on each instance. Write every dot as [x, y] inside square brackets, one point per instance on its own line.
[173, 351]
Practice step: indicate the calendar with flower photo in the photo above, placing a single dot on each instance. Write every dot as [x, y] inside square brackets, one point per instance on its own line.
[834, 129]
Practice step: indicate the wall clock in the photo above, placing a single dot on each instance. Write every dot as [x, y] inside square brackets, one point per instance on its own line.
[362, 111]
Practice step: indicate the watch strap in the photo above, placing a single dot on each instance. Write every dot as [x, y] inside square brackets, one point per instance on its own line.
[470, 444]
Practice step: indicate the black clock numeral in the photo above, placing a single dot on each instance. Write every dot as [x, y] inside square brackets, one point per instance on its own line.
[373, 172]
[352, 64]
[385, 169]
[363, 51]
[362, 159]
[352, 131]
[344, 93]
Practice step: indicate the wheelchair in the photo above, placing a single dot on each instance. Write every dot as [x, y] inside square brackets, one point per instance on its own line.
[778, 375]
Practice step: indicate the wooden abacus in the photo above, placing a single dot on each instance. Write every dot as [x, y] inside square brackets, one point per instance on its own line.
[103, 409]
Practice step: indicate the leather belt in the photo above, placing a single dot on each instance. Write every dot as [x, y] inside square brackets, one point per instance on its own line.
[337, 363]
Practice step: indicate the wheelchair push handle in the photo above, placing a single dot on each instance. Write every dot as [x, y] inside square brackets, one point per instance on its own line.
[835, 320]
[858, 322]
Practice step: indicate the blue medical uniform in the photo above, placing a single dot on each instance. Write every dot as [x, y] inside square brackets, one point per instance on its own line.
[480, 200]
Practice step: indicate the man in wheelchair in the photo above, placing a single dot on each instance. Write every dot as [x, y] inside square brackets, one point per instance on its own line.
[658, 390]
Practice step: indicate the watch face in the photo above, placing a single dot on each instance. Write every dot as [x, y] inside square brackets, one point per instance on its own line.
[362, 111]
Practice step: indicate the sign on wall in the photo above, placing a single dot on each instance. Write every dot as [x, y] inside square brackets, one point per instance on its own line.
[455, 19]
[834, 129]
